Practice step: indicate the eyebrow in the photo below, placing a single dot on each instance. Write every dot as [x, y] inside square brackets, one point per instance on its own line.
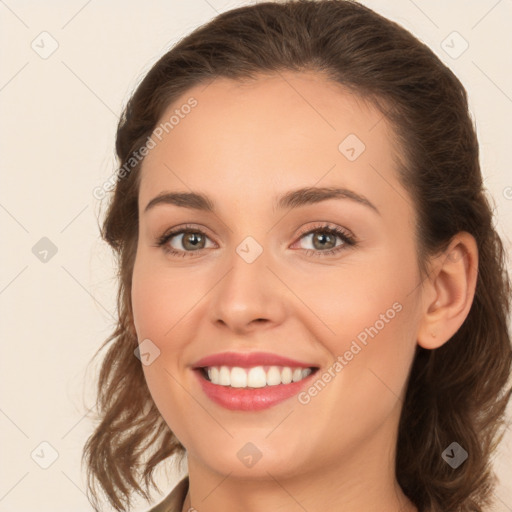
[292, 199]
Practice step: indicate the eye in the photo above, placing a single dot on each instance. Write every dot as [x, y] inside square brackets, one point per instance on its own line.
[190, 238]
[323, 238]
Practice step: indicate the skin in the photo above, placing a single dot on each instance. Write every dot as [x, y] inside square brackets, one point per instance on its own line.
[243, 145]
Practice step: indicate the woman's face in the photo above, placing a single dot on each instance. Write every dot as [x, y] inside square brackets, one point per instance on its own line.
[253, 275]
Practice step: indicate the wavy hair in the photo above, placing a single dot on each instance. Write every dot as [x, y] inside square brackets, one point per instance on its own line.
[457, 392]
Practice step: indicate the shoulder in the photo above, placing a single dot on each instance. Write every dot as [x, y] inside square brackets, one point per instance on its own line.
[174, 501]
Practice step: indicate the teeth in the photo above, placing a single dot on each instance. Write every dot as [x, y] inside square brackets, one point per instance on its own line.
[255, 377]
[297, 374]
[238, 378]
[286, 375]
[224, 376]
[273, 376]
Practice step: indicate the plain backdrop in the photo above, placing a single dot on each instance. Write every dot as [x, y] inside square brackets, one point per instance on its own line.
[67, 69]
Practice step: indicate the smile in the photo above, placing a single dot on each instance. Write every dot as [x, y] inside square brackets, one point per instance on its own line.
[251, 381]
[255, 377]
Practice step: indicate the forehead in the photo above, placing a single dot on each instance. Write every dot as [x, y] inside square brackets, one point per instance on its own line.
[271, 133]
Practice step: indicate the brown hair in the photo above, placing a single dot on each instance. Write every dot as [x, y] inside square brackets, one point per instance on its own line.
[457, 392]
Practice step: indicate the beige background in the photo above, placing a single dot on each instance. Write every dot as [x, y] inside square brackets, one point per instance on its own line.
[59, 117]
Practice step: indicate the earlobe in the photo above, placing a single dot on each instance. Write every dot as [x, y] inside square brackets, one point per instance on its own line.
[449, 292]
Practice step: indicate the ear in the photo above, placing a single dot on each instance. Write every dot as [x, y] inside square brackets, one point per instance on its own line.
[448, 291]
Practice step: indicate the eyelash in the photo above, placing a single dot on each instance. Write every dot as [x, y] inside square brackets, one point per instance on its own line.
[348, 240]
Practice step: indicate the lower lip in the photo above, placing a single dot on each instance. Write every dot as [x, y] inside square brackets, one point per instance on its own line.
[250, 399]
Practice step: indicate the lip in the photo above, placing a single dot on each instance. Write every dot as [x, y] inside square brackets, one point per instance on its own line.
[248, 359]
[250, 399]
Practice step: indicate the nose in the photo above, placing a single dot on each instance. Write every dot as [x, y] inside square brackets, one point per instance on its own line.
[248, 297]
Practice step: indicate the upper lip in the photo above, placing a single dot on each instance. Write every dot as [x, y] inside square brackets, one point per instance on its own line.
[248, 359]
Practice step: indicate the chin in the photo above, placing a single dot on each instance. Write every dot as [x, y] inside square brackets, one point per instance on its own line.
[249, 461]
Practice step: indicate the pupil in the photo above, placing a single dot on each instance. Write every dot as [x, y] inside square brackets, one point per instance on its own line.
[323, 236]
[194, 239]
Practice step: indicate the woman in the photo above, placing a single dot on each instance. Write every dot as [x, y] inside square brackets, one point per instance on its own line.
[313, 298]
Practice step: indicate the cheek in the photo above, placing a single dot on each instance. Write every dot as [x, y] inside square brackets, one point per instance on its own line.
[156, 309]
[358, 296]
[157, 301]
[146, 297]
[371, 315]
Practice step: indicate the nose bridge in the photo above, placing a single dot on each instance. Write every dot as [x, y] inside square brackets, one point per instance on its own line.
[248, 291]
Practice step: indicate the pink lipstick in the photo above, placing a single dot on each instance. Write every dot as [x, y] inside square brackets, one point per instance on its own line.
[252, 381]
